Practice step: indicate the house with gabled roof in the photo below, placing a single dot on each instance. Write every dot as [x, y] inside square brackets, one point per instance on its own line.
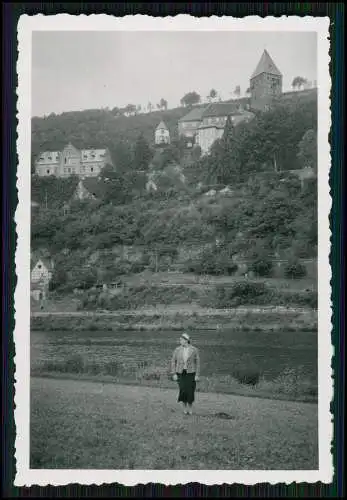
[189, 124]
[72, 161]
[214, 119]
[162, 134]
[41, 272]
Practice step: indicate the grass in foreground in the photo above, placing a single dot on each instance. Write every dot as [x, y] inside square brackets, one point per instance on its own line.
[81, 425]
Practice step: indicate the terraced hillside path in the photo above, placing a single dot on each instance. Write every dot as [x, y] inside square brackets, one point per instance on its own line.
[82, 425]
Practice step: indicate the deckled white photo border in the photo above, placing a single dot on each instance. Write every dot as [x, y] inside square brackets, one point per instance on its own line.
[65, 22]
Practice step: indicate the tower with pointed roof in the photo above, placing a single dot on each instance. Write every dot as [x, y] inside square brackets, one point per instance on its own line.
[265, 83]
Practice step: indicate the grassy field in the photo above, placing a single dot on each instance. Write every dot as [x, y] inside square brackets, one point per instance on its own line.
[277, 364]
[81, 425]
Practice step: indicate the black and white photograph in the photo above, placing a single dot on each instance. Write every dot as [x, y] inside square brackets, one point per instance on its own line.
[173, 310]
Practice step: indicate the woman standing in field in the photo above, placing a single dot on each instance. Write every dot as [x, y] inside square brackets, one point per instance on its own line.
[185, 368]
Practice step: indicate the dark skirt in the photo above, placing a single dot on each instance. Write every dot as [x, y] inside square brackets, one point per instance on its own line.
[187, 386]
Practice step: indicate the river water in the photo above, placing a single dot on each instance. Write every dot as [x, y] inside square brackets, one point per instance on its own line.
[221, 352]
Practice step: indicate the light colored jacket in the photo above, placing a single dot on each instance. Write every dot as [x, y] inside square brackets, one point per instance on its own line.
[193, 361]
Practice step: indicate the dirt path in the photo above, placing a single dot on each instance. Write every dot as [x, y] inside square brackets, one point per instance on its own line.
[78, 424]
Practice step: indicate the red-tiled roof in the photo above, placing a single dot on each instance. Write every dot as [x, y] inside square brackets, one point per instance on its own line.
[266, 65]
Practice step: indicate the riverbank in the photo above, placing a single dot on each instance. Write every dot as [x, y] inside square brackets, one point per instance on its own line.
[275, 364]
[178, 318]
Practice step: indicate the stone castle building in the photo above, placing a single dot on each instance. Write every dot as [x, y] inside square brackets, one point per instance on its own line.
[265, 83]
[205, 124]
[72, 161]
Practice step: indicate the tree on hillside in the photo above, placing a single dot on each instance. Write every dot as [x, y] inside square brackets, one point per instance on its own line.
[122, 156]
[33, 164]
[307, 154]
[237, 91]
[270, 140]
[117, 186]
[298, 82]
[142, 154]
[230, 151]
[212, 95]
[190, 99]
[59, 278]
[180, 143]
[130, 109]
[108, 172]
[196, 153]
[163, 104]
[225, 158]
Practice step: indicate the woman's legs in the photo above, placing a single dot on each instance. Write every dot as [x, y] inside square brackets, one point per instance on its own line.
[182, 392]
[191, 393]
[187, 385]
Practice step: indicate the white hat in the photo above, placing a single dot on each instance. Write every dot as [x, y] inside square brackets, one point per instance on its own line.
[185, 336]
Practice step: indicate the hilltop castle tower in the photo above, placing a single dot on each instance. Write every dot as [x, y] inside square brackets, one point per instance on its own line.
[265, 83]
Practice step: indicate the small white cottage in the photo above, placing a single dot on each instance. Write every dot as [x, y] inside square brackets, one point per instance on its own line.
[42, 271]
[162, 134]
[41, 275]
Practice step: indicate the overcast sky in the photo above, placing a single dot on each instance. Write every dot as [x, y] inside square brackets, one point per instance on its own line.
[88, 70]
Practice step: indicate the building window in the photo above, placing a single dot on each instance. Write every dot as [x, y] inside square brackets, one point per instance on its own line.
[65, 161]
[69, 170]
[91, 169]
[39, 266]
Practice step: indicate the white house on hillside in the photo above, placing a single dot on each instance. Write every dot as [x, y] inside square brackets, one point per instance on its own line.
[72, 161]
[40, 277]
[162, 134]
